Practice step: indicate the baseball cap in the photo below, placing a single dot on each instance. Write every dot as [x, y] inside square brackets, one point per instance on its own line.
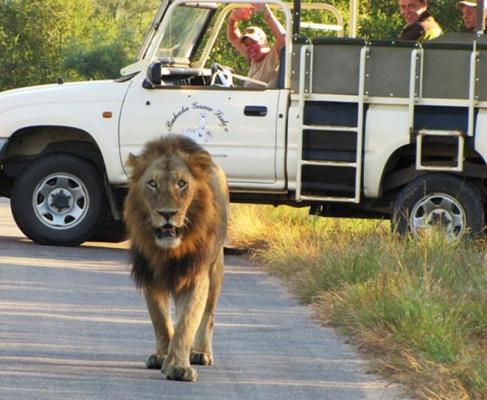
[254, 33]
[462, 4]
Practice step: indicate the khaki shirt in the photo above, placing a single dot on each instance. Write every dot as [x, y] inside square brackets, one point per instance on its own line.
[266, 70]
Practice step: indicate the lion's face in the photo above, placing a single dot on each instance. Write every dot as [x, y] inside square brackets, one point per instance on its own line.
[168, 190]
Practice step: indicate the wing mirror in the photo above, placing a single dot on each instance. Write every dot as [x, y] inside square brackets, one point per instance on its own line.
[153, 76]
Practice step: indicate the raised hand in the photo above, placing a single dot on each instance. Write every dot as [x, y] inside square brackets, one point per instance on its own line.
[242, 14]
[259, 7]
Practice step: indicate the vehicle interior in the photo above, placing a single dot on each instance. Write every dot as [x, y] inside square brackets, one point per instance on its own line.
[194, 50]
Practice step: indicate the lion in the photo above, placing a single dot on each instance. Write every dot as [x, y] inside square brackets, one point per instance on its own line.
[176, 213]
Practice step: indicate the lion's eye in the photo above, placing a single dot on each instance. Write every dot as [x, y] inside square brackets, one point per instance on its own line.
[152, 184]
[181, 184]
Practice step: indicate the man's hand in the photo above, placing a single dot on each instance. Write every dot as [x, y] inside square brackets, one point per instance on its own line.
[259, 7]
[241, 14]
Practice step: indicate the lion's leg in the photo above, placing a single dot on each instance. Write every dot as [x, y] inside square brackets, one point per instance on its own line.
[158, 304]
[202, 353]
[190, 305]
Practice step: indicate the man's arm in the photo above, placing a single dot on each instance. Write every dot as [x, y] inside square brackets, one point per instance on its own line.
[233, 33]
[277, 29]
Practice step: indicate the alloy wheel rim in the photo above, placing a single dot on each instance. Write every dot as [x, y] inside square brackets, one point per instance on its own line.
[439, 212]
[61, 201]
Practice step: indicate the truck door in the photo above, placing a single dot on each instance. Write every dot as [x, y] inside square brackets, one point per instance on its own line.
[238, 127]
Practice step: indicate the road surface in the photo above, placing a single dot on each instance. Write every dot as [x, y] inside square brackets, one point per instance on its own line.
[73, 326]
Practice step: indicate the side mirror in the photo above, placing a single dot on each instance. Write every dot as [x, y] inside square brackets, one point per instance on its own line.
[153, 75]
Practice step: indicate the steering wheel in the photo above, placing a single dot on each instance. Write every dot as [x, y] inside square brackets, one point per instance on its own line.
[221, 76]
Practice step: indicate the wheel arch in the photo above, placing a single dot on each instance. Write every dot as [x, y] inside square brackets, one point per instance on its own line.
[400, 168]
[30, 143]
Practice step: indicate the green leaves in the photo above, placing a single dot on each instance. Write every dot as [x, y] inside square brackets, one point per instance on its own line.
[78, 39]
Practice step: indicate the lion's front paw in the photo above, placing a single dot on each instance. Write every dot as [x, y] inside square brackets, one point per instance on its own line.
[199, 358]
[187, 374]
[155, 361]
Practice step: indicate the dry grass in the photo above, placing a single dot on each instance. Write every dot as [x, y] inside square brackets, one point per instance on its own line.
[419, 306]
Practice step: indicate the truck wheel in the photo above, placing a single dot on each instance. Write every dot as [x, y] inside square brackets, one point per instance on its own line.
[439, 201]
[58, 200]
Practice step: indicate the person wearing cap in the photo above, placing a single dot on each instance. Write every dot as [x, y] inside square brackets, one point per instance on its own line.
[252, 43]
[420, 24]
[469, 14]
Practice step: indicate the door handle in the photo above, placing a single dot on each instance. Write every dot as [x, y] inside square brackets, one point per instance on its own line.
[255, 111]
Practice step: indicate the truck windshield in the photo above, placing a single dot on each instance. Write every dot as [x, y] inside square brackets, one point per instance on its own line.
[182, 32]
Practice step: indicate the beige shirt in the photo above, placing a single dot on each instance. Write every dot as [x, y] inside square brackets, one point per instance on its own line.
[266, 70]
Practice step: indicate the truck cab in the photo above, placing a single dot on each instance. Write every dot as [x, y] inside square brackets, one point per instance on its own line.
[354, 128]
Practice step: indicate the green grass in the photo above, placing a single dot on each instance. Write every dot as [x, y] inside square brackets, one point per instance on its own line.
[419, 306]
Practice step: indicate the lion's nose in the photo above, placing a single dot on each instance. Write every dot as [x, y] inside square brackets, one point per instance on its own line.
[166, 214]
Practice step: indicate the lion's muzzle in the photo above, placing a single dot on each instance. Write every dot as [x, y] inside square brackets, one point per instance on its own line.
[168, 236]
[167, 231]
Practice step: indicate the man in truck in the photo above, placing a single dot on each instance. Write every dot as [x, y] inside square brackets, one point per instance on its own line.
[420, 24]
[469, 14]
[253, 44]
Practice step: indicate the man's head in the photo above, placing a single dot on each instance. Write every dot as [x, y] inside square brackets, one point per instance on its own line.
[412, 9]
[255, 41]
[469, 13]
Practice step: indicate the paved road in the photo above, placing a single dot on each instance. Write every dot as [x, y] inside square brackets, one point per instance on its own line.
[72, 326]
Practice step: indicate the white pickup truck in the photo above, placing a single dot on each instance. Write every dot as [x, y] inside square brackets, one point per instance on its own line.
[355, 128]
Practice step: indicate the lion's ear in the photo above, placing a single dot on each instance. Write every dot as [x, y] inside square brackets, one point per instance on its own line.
[201, 161]
[132, 161]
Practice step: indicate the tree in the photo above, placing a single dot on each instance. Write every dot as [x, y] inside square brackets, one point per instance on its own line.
[116, 32]
[33, 37]
[78, 39]
[380, 19]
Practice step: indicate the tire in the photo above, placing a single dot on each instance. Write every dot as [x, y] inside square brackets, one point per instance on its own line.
[59, 200]
[439, 201]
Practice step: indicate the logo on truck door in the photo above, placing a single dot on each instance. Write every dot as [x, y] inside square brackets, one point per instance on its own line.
[200, 135]
[192, 120]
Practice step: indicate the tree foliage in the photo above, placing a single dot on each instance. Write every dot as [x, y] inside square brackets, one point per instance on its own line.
[92, 39]
[380, 19]
[77, 39]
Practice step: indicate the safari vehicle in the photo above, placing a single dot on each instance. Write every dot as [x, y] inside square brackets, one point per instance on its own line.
[373, 129]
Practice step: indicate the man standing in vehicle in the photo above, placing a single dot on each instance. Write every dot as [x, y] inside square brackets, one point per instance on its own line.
[420, 24]
[469, 14]
[253, 44]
